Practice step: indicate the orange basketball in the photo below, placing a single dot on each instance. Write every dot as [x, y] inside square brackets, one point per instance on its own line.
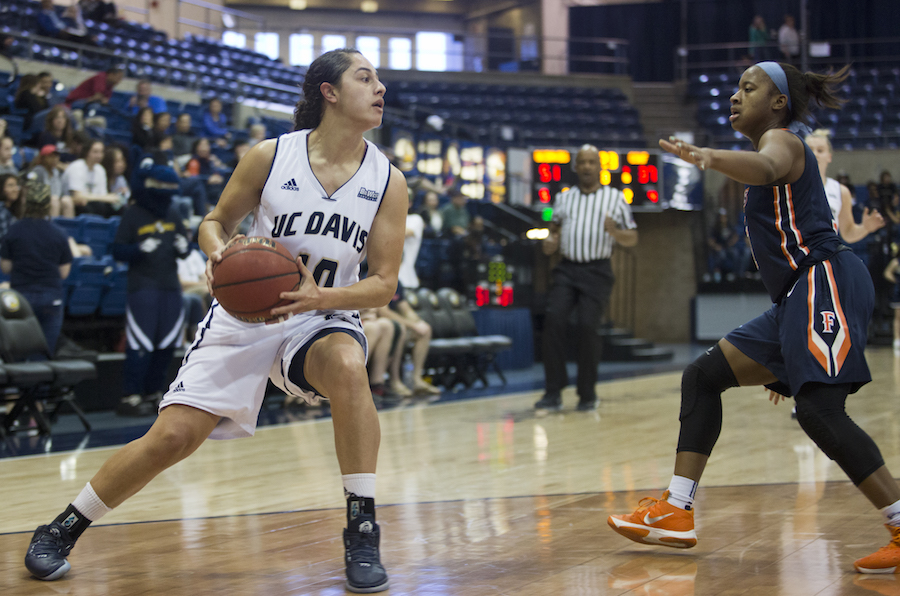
[251, 276]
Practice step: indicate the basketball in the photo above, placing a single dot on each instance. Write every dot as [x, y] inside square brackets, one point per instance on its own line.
[251, 276]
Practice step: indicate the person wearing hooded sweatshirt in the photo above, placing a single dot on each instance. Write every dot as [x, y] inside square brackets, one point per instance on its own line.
[150, 237]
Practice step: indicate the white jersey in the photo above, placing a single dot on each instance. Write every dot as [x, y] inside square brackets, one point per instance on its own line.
[329, 232]
[833, 194]
[226, 369]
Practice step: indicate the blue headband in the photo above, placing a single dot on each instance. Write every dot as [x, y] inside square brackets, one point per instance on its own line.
[776, 73]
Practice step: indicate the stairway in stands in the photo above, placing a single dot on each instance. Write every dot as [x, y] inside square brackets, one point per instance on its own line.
[619, 345]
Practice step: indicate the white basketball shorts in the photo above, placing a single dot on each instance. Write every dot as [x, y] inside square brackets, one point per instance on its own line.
[224, 371]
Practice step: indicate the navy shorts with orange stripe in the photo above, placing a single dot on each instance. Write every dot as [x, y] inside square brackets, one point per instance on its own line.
[818, 331]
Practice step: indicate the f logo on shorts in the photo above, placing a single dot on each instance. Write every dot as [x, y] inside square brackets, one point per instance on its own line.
[828, 319]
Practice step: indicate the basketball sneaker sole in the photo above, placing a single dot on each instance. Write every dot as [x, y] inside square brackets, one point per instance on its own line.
[650, 535]
[63, 569]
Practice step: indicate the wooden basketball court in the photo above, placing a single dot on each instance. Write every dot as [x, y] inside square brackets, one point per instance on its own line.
[481, 497]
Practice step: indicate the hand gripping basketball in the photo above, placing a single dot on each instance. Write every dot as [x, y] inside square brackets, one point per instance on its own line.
[250, 277]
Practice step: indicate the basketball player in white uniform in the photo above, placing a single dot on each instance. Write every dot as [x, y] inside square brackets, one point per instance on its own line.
[838, 195]
[331, 198]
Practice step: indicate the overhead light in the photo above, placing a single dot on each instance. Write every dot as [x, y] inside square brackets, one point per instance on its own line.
[297, 4]
[369, 6]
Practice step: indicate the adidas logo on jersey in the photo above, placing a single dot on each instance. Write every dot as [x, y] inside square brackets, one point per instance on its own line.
[369, 195]
[179, 387]
[290, 185]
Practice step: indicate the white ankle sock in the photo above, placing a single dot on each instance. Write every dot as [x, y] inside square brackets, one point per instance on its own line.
[891, 514]
[682, 491]
[361, 485]
[89, 504]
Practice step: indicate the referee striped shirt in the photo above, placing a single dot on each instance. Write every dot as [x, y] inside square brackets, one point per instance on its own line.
[581, 216]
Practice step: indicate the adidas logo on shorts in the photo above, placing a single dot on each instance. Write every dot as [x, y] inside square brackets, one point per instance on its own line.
[290, 185]
[179, 387]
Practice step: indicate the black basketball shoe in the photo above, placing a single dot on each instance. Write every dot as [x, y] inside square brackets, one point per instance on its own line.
[365, 573]
[46, 556]
[551, 402]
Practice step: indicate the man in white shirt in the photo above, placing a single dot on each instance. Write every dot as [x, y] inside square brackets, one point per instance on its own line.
[789, 39]
[415, 228]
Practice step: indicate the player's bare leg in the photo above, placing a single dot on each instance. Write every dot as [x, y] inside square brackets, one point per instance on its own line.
[336, 367]
[178, 432]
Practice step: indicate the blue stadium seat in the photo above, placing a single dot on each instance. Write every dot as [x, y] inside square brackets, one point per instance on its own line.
[99, 232]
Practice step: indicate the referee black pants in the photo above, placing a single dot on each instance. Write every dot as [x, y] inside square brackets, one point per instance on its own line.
[582, 289]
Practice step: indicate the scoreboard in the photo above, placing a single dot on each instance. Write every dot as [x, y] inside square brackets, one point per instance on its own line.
[635, 173]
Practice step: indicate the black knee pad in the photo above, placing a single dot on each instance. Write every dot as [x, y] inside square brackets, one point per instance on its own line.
[702, 385]
[707, 376]
[821, 415]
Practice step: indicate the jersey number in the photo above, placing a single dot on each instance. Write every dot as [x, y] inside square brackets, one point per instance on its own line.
[324, 266]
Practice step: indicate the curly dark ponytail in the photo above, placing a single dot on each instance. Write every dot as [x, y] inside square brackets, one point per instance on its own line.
[327, 68]
[805, 86]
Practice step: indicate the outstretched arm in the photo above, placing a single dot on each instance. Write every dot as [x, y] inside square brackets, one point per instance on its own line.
[779, 157]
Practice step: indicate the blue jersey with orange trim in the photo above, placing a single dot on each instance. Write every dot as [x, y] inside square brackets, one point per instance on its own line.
[790, 227]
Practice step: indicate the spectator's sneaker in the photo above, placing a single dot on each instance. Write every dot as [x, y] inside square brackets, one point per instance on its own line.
[886, 559]
[549, 402]
[656, 521]
[365, 573]
[135, 405]
[587, 406]
[46, 556]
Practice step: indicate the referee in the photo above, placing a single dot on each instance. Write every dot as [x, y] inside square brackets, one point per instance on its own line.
[588, 221]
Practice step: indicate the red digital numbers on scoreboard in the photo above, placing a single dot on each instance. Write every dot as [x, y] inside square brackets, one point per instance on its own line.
[647, 174]
[549, 173]
[544, 195]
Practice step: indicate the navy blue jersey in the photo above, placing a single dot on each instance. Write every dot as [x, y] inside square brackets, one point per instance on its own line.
[789, 227]
[37, 247]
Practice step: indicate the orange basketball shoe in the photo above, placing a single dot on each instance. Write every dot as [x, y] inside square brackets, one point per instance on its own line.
[656, 521]
[886, 559]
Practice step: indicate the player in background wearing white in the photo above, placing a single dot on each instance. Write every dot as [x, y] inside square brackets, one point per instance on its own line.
[317, 339]
[838, 195]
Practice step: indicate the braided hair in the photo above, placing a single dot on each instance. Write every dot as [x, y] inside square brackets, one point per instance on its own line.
[327, 68]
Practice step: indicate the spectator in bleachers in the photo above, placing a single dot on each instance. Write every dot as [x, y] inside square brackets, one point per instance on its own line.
[99, 11]
[7, 150]
[11, 204]
[162, 122]
[722, 247]
[194, 290]
[455, 216]
[96, 89]
[3, 127]
[85, 180]
[419, 332]
[143, 98]
[183, 139]
[789, 40]
[45, 170]
[431, 215]
[415, 228]
[759, 37]
[142, 129]
[239, 150]
[57, 130]
[892, 275]
[206, 166]
[79, 141]
[150, 238]
[380, 336]
[116, 165]
[886, 188]
[215, 124]
[30, 97]
[257, 133]
[35, 254]
[69, 27]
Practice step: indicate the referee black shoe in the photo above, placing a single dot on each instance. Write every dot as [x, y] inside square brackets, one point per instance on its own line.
[550, 401]
[365, 573]
[46, 556]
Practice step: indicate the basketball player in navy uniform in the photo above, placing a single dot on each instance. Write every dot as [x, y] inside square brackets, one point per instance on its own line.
[810, 344]
[331, 198]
